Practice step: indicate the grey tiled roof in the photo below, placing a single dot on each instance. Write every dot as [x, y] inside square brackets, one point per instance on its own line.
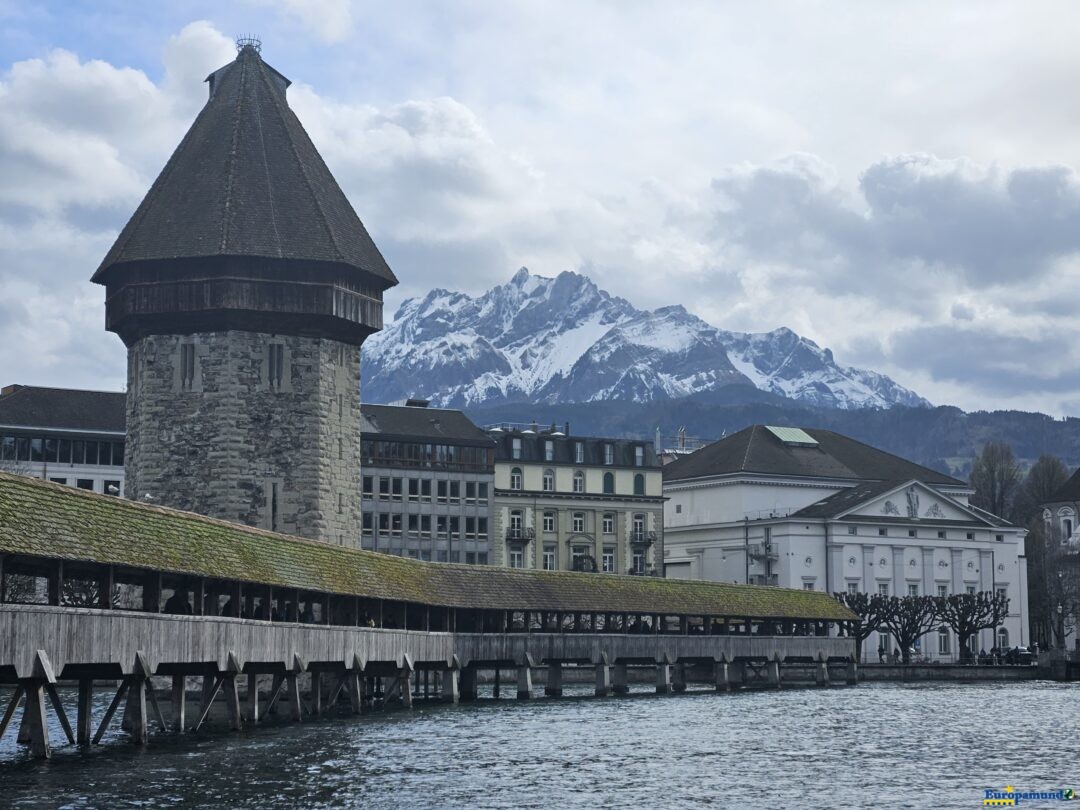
[63, 409]
[436, 424]
[246, 180]
[532, 449]
[756, 449]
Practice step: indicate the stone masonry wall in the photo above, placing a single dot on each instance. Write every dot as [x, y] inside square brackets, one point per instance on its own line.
[229, 443]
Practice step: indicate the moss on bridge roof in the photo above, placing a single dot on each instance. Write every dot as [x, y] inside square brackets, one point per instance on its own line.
[52, 520]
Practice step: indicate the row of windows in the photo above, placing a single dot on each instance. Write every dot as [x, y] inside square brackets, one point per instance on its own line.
[475, 528]
[107, 487]
[883, 531]
[53, 450]
[577, 522]
[550, 561]
[913, 589]
[548, 482]
[420, 489]
[430, 456]
[944, 642]
[579, 452]
[427, 555]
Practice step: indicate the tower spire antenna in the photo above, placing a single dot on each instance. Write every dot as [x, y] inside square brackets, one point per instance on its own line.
[249, 41]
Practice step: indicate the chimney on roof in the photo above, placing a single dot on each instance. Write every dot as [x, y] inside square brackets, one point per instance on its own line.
[417, 403]
[567, 430]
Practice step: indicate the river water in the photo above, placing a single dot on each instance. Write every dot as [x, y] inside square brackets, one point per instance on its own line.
[875, 745]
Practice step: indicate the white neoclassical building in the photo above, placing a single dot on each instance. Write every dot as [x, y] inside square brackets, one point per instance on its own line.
[817, 510]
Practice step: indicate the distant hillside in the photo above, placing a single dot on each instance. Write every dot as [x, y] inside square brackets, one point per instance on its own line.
[944, 438]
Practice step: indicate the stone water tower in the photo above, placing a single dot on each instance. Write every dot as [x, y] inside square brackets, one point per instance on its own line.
[243, 288]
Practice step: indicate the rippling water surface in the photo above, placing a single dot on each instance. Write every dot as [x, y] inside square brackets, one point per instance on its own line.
[877, 745]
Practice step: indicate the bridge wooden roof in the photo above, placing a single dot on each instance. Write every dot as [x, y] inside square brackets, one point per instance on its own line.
[51, 520]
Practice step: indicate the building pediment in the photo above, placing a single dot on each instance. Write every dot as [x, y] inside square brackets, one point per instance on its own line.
[912, 501]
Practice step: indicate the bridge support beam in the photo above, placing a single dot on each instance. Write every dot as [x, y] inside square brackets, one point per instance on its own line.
[851, 672]
[772, 670]
[821, 671]
[524, 678]
[620, 682]
[179, 703]
[603, 676]
[553, 687]
[721, 674]
[404, 679]
[468, 683]
[663, 677]
[451, 689]
[83, 727]
[292, 684]
[678, 678]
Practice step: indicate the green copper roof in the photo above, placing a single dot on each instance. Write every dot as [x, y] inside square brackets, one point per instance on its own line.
[51, 520]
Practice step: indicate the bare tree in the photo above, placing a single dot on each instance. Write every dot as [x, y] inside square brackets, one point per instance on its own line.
[995, 477]
[1063, 594]
[873, 610]
[968, 613]
[1046, 477]
[910, 618]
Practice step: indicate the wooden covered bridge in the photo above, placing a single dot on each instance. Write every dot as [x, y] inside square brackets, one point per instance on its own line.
[94, 588]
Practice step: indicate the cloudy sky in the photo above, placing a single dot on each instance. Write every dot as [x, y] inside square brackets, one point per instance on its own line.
[897, 181]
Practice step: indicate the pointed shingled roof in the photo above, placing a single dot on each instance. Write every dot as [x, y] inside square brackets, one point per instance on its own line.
[246, 180]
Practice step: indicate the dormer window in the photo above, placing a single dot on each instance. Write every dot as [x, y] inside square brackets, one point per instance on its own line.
[609, 454]
[549, 450]
[515, 448]
[639, 456]
[579, 452]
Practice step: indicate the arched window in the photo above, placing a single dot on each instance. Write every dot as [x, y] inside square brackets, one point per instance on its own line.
[1067, 523]
[639, 484]
[549, 480]
[515, 478]
[579, 481]
[609, 483]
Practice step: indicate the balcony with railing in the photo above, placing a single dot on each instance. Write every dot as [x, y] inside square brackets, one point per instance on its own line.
[520, 535]
[640, 537]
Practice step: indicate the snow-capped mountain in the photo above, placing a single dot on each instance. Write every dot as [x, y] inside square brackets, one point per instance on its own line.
[562, 339]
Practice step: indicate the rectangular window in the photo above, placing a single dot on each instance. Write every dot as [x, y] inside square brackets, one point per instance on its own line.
[7, 448]
[999, 538]
[455, 527]
[340, 502]
[941, 535]
[517, 559]
[579, 452]
[912, 589]
[470, 558]
[440, 491]
[85, 483]
[425, 490]
[395, 524]
[549, 450]
[112, 488]
[971, 589]
[367, 486]
[609, 454]
[395, 489]
[22, 449]
[549, 558]
[440, 526]
[482, 492]
[549, 521]
[579, 522]
[808, 586]
[37, 449]
[90, 453]
[515, 448]
[883, 532]
[639, 456]
[943, 641]
[425, 525]
[971, 535]
[639, 563]
[912, 533]
[470, 527]
[883, 588]
[65, 450]
[482, 528]
[276, 365]
[609, 523]
[470, 491]
[384, 488]
[187, 366]
[455, 491]
[853, 587]
[384, 523]
[414, 489]
[609, 560]
[852, 529]
[414, 524]
[942, 590]
[59, 480]
[366, 522]
[481, 558]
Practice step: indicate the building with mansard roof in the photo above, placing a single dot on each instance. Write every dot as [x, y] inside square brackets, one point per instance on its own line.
[576, 503]
[243, 287]
[817, 510]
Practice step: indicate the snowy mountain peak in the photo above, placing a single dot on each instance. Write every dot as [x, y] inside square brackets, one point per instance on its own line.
[563, 339]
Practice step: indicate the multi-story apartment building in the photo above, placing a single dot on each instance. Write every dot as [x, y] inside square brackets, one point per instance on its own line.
[565, 502]
[427, 482]
[64, 436]
[817, 510]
